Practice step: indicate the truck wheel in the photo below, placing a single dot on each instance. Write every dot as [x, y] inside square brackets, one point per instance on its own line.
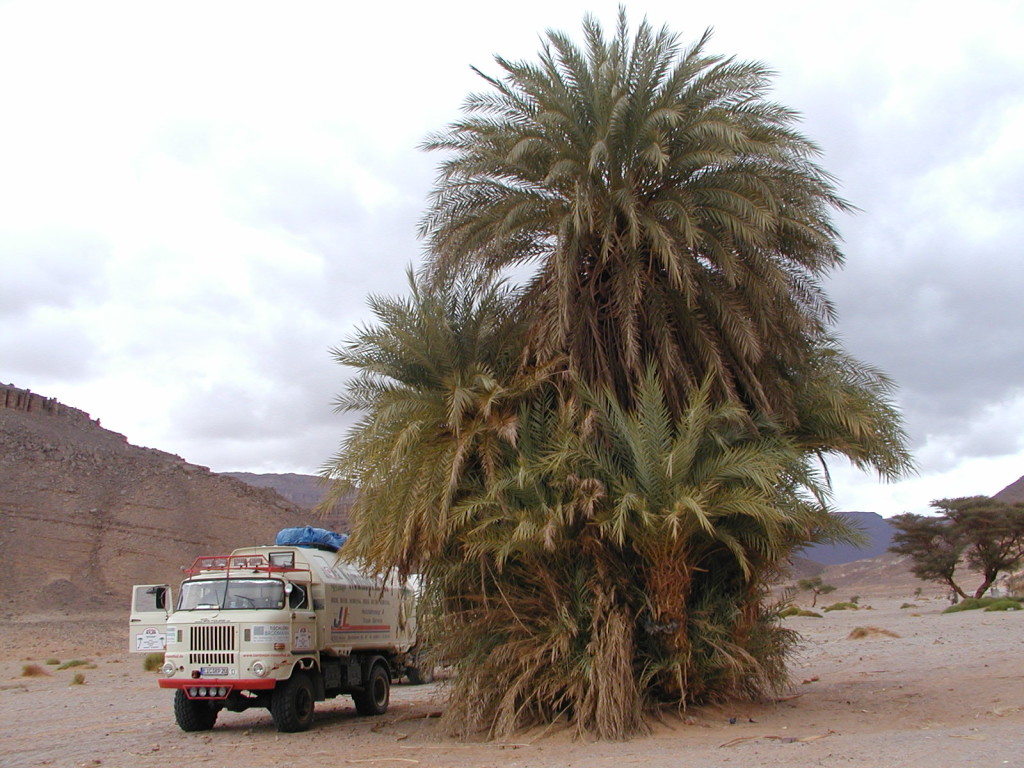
[291, 705]
[193, 714]
[374, 699]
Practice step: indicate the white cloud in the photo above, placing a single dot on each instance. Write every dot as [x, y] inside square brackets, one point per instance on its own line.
[199, 197]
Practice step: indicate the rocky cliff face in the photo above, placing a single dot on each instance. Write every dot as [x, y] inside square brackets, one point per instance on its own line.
[306, 491]
[84, 514]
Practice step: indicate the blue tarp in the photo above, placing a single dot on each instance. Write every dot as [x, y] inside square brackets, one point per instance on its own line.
[308, 536]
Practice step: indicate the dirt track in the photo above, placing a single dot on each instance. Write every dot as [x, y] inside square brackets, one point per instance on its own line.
[948, 692]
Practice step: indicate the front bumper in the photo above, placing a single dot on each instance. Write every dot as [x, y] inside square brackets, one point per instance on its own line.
[216, 688]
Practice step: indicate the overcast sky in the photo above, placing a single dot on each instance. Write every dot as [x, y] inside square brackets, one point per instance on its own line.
[197, 198]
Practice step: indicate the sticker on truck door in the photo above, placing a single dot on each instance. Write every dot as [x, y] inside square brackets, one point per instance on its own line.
[150, 639]
[303, 640]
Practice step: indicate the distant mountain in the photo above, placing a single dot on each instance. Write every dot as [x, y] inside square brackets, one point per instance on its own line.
[877, 530]
[306, 491]
[1012, 493]
[84, 514]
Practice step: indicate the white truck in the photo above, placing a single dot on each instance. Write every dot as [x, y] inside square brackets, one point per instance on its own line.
[279, 627]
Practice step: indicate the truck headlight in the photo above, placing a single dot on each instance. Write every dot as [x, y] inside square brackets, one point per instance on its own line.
[167, 669]
[259, 668]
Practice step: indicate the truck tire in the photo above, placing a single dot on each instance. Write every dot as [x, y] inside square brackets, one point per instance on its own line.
[420, 668]
[291, 704]
[375, 697]
[193, 714]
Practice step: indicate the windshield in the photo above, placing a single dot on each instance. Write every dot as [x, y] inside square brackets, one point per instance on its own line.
[231, 594]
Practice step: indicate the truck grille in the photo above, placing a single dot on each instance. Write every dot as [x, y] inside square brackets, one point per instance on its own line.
[212, 644]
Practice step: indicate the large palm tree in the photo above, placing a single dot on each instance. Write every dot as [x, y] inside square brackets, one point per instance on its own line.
[672, 214]
[600, 471]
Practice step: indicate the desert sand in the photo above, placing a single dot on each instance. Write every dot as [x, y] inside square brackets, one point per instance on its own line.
[921, 689]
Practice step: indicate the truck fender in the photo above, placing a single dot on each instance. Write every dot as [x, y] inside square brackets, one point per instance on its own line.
[310, 667]
[368, 662]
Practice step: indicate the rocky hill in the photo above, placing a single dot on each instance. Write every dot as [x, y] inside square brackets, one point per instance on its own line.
[1012, 493]
[306, 491]
[878, 537]
[84, 514]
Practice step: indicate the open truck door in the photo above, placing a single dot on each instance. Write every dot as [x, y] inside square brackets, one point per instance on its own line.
[151, 604]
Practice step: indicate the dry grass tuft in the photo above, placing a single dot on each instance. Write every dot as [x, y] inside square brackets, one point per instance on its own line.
[861, 633]
[33, 670]
[78, 679]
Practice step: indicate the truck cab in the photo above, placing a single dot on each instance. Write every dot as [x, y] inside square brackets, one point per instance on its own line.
[279, 627]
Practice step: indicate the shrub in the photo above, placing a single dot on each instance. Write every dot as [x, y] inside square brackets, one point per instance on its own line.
[77, 663]
[973, 604]
[792, 610]
[153, 661]
[860, 633]
[52, 662]
[78, 679]
[842, 607]
[1004, 604]
[908, 605]
[33, 670]
[967, 604]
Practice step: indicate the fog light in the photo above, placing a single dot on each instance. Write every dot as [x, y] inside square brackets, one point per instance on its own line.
[259, 668]
[167, 669]
[222, 691]
[202, 692]
[193, 691]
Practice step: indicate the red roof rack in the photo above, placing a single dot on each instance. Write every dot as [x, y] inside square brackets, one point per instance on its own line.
[252, 563]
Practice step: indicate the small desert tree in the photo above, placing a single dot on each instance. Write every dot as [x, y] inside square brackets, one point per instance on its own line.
[817, 586]
[984, 534]
[933, 545]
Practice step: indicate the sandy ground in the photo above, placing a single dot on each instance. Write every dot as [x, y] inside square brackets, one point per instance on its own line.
[947, 691]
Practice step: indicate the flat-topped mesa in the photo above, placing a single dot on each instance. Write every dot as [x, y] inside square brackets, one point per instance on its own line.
[26, 400]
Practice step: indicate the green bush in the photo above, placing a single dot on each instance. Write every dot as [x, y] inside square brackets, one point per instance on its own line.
[973, 604]
[77, 663]
[153, 661]
[967, 604]
[847, 606]
[1004, 604]
[78, 679]
[52, 662]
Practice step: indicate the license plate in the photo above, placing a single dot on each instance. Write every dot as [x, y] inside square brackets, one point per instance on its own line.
[213, 671]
